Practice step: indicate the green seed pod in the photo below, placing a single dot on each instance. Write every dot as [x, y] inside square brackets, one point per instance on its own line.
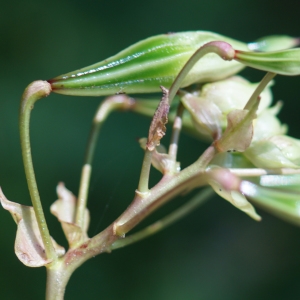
[274, 43]
[148, 64]
[284, 62]
[279, 151]
[278, 194]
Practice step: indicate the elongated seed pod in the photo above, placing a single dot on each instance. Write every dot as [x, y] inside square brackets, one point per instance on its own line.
[148, 64]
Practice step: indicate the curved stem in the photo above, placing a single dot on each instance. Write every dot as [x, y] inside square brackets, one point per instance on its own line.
[142, 205]
[223, 49]
[176, 132]
[83, 194]
[169, 186]
[264, 82]
[34, 92]
[173, 217]
[110, 104]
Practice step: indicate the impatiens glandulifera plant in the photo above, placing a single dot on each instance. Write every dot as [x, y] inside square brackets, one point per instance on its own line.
[250, 158]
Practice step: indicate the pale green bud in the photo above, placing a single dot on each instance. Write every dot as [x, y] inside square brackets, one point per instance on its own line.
[267, 124]
[233, 93]
[279, 151]
[227, 185]
[211, 105]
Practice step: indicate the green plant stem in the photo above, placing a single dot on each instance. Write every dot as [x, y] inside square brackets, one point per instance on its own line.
[256, 172]
[168, 187]
[224, 50]
[177, 125]
[143, 187]
[146, 111]
[142, 205]
[147, 201]
[264, 82]
[110, 104]
[58, 276]
[83, 194]
[34, 92]
[173, 217]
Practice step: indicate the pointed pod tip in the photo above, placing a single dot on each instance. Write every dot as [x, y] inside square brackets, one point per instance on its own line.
[55, 85]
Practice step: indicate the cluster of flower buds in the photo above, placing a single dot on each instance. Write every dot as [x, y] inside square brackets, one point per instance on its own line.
[265, 148]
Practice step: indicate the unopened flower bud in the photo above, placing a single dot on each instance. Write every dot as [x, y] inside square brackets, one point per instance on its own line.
[227, 185]
[211, 105]
[279, 151]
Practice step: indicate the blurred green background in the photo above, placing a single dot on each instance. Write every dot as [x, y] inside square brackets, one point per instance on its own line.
[217, 252]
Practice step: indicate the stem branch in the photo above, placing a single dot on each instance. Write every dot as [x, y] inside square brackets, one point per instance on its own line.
[223, 49]
[264, 82]
[173, 217]
[34, 92]
[110, 104]
[145, 172]
[57, 279]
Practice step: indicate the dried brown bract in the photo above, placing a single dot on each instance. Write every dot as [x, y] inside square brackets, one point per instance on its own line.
[160, 119]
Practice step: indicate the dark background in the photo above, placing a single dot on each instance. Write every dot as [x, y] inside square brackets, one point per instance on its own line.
[217, 252]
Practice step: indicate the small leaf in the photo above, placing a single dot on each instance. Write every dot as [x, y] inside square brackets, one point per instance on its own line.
[64, 210]
[29, 246]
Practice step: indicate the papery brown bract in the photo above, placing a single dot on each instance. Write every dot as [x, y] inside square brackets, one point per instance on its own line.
[29, 246]
[64, 209]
